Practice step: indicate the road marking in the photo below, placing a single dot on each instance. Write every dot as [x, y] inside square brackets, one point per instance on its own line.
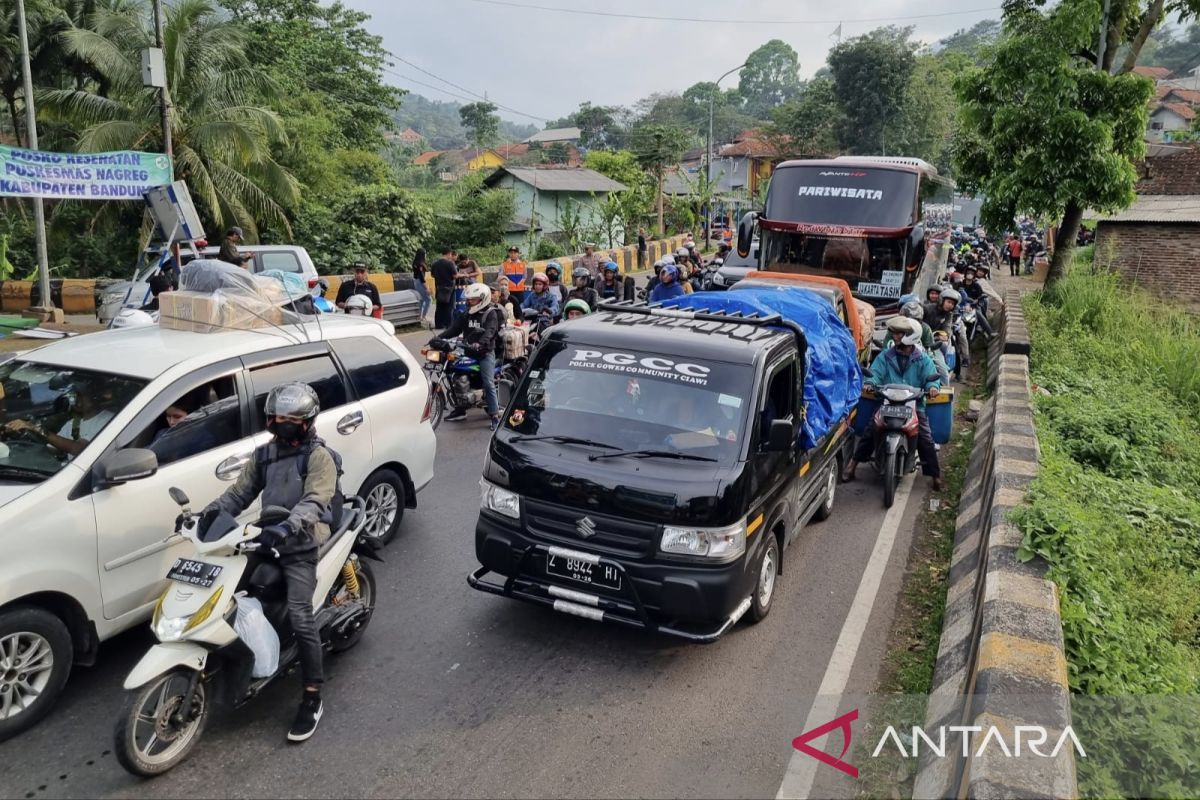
[802, 769]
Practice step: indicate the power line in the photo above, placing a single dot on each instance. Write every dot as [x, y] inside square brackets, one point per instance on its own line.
[446, 92]
[740, 21]
[474, 95]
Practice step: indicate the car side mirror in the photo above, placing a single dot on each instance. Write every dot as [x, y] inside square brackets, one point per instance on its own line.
[130, 464]
[779, 436]
[745, 238]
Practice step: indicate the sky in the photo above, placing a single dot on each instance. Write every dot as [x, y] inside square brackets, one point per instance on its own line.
[544, 63]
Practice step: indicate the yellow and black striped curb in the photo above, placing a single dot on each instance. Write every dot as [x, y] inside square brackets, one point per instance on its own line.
[80, 295]
[1000, 660]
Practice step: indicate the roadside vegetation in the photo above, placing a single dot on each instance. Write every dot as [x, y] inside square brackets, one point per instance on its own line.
[1114, 509]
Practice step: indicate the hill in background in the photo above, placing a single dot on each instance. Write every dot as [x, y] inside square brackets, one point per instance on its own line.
[441, 126]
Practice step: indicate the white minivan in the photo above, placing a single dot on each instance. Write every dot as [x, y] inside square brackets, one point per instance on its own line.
[86, 548]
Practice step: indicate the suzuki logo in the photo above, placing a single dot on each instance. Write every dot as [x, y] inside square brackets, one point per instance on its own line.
[586, 527]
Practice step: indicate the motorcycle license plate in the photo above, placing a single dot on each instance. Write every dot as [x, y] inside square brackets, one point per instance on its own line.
[896, 412]
[194, 573]
[583, 571]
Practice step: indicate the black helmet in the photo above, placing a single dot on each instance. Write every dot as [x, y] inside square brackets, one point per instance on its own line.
[294, 399]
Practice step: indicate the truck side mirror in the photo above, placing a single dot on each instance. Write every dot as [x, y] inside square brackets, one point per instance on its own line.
[779, 436]
[746, 233]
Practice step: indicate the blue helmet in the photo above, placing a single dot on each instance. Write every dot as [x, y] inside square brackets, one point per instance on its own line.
[611, 266]
[672, 270]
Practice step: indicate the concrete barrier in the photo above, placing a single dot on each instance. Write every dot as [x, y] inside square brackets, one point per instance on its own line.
[1000, 660]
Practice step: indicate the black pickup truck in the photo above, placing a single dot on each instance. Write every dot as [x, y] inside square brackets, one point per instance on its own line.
[649, 472]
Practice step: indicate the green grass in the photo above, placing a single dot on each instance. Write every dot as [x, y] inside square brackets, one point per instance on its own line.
[910, 668]
[1114, 509]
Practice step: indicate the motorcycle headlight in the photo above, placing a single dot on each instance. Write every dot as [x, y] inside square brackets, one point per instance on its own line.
[169, 629]
[718, 279]
[501, 501]
[713, 544]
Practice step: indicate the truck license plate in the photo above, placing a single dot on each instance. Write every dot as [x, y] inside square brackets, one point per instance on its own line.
[583, 571]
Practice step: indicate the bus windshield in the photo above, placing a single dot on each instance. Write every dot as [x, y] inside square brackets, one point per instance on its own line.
[849, 196]
[873, 266]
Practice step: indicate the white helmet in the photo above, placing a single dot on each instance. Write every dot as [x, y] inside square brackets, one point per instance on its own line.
[131, 318]
[682, 252]
[910, 328]
[359, 304]
[477, 291]
[668, 259]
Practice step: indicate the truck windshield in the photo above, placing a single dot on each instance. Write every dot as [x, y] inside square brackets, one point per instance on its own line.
[49, 414]
[634, 400]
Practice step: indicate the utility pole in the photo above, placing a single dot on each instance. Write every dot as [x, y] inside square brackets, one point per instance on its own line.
[164, 94]
[45, 305]
[708, 154]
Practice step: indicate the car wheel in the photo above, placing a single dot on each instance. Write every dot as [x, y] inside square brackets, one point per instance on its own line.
[765, 580]
[36, 654]
[384, 495]
[829, 492]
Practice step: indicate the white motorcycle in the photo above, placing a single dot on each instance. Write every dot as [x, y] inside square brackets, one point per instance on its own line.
[172, 689]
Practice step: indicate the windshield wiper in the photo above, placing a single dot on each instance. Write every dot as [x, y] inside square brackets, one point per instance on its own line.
[651, 453]
[24, 473]
[563, 439]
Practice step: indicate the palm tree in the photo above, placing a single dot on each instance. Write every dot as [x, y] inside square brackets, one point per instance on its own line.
[222, 140]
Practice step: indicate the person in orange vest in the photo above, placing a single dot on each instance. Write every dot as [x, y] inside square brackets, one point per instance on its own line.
[513, 270]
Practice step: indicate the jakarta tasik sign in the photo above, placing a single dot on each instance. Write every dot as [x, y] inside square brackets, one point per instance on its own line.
[123, 175]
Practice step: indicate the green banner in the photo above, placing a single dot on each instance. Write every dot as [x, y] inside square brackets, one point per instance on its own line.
[123, 175]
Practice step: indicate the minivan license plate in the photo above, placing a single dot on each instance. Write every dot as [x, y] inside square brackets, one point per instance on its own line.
[194, 573]
[575, 569]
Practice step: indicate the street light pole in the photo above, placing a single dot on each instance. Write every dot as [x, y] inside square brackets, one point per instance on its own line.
[708, 154]
[45, 304]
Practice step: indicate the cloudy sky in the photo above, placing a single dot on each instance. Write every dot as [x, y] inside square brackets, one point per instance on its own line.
[543, 63]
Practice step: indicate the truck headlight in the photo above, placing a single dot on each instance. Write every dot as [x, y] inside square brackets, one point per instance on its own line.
[170, 629]
[712, 544]
[501, 501]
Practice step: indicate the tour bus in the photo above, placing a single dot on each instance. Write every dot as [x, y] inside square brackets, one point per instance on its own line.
[881, 224]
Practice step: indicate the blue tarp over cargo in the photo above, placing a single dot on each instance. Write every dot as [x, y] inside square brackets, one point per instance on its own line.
[833, 384]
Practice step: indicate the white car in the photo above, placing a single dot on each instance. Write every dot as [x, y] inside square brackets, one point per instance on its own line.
[86, 528]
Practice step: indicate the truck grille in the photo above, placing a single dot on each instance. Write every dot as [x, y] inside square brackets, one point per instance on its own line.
[613, 535]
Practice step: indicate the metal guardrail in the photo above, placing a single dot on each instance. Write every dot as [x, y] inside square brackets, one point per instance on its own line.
[401, 308]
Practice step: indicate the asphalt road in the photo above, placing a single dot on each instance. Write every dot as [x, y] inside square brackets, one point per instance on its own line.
[454, 693]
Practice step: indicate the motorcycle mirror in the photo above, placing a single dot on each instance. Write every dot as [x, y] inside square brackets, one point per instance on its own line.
[178, 495]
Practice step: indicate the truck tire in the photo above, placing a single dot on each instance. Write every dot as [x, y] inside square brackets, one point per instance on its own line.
[36, 654]
[765, 581]
[824, 510]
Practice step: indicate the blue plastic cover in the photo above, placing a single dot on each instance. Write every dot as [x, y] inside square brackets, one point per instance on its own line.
[833, 382]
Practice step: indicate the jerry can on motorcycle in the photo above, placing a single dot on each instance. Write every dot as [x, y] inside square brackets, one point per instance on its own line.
[940, 411]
